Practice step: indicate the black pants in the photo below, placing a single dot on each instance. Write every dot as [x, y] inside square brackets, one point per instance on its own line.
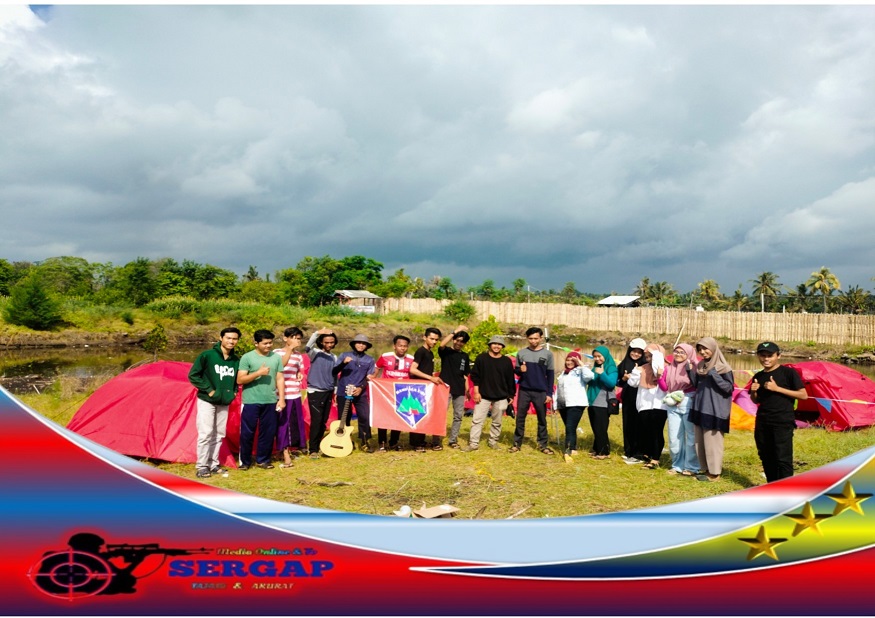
[320, 408]
[571, 417]
[599, 418]
[394, 436]
[539, 400]
[260, 418]
[775, 448]
[652, 432]
[631, 427]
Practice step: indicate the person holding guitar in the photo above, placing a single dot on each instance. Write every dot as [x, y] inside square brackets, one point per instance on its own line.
[355, 369]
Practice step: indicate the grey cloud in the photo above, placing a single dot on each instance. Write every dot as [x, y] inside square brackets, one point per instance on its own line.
[588, 143]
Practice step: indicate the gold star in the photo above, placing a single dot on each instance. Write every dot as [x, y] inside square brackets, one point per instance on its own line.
[762, 545]
[848, 499]
[807, 520]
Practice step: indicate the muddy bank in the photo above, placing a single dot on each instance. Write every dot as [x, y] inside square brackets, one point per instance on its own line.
[204, 335]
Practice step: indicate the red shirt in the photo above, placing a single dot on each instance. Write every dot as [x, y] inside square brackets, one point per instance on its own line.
[395, 368]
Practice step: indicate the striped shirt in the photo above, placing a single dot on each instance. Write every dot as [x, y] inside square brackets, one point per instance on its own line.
[294, 365]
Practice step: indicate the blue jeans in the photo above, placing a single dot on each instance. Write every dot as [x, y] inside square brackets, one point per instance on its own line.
[682, 438]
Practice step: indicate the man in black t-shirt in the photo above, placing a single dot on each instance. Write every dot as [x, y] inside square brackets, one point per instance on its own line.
[423, 369]
[494, 387]
[455, 367]
[775, 389]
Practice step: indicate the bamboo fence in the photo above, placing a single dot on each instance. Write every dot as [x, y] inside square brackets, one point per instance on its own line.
[824, 329]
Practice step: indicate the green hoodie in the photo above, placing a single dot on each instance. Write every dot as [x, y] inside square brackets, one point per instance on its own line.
[211, 371]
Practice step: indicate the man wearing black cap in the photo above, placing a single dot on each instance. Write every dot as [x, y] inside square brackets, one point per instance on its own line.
[356, 368]
[775, 389]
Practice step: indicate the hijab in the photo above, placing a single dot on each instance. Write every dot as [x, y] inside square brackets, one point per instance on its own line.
[572, 354]
[609, 366]
[628, 363]
[716, 362]
[676, 373]
[649, 379]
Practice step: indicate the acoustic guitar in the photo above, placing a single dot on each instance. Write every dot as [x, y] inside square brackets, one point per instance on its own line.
[338, 441]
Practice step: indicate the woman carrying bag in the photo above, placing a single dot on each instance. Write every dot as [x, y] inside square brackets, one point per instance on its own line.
[599, 389]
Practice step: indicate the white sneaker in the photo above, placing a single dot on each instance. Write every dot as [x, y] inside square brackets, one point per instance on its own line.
[631, 460]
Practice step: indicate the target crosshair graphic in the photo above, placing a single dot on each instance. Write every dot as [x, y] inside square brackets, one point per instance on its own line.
[71, 574]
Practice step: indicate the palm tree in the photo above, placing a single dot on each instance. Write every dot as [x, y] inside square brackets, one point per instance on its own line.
[766, 285]
[709, 291]
[799, 298]
[251, 275]
[518, 285]
[662, 291]
[855, 300]
[739, 301]
[825, 282]
[643, 289]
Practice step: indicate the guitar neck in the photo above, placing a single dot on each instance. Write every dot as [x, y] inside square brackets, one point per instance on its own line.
[347, 401]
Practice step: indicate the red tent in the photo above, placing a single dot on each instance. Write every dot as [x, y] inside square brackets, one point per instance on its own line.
[839, 398]
[150, 412]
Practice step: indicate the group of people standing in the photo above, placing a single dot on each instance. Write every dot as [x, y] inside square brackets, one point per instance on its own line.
[690, 391]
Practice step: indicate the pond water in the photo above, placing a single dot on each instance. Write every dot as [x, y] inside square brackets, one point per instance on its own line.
[24, 370]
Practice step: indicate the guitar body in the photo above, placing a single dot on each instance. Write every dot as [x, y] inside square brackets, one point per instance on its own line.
[338, 441]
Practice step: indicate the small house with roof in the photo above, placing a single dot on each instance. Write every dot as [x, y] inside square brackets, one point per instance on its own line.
[620, 301]
[359, 300]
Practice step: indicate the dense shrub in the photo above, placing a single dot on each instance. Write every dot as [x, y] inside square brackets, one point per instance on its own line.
[31, 305]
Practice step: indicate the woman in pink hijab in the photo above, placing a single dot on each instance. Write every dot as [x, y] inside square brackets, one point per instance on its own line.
[681, 432]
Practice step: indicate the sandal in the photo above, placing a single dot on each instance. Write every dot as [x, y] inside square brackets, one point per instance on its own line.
[287, 465]
[687, 473]
[419, 449]
[514, 449]
[547, 451]
[453, 445]
[437, 447]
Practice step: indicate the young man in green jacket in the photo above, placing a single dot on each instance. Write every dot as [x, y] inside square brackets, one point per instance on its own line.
[214, 375]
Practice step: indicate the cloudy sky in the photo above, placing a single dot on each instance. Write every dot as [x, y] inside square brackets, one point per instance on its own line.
[591, 144]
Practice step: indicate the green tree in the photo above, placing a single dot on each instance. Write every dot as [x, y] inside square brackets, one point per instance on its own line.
[663, 293]
[767, 287]
[799, 299]
[6, 277]
[137, 282]
[460, 310]
[709, 293]
[32, 304]
[518, 286]
[855, 300]
[824, 282]
[251, 275]
[156, 341]
[486, 290]
[67, 276]
[480, 336]
[261, 292]
[397, 285]
[739, 301]
[569, 293]
[446, 288]
[313, 281]
[643, 289]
